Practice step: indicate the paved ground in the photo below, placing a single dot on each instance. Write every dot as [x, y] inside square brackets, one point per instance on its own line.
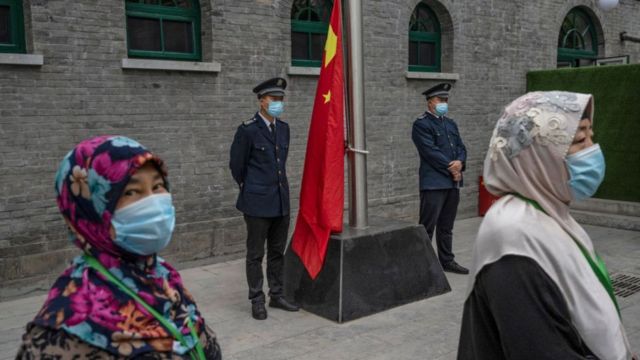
[426, 329]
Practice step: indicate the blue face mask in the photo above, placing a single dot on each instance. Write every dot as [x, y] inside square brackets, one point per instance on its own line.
[145, 227]
[275, 108]
[442, 109]
[586, 171]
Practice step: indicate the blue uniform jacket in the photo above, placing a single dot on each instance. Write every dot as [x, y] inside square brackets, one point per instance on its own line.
[438, 142]
[258, 165]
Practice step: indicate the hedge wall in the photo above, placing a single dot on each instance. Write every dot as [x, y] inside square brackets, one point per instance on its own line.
[616, 90]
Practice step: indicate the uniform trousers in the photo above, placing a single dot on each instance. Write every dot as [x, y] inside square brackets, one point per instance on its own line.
[438, 210]
[274, 231]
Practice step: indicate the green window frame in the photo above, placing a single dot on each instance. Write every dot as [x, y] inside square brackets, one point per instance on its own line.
[578, 39]
[14, 28]
[424, 30]
[165, 12]
[309, 26]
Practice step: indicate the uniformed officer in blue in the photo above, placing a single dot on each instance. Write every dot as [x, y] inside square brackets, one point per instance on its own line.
[442, 161]
[258, 164]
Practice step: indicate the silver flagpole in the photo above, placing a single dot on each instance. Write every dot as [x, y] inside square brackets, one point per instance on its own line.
[357, 154]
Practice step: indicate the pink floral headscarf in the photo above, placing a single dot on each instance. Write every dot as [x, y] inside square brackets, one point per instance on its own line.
[89, 182]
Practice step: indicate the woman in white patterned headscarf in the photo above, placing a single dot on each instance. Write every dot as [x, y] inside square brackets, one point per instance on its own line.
[538, 290]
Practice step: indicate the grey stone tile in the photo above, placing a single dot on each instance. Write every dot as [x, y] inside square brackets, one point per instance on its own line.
[427, 329]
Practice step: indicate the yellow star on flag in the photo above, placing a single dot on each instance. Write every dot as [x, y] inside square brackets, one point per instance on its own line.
[330, 46]
[327, 97]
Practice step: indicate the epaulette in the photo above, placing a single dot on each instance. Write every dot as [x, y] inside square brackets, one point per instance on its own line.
[424, 115]
[249, 122]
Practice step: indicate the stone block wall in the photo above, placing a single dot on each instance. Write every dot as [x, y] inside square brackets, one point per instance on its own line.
[189, 118]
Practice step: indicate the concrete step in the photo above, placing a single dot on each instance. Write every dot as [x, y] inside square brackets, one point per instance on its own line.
[616, 207]
[607, 220]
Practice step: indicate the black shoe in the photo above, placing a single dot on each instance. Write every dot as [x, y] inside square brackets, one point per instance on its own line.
[282, 303]
[454, 267]
[258, 311]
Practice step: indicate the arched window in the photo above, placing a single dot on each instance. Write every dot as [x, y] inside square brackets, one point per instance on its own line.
[578, 40]
[309, 24]
[11, 27]
[163, 29]
[424, 40]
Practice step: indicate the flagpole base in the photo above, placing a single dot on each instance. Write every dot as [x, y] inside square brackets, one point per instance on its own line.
[388, 264]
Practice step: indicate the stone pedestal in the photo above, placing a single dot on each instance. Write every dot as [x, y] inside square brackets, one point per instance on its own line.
[390, 263]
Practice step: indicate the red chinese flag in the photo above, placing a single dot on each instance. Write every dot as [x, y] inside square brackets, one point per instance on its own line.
[322, 193]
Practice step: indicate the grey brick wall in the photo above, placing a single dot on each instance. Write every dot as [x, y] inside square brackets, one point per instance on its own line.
[189, 118]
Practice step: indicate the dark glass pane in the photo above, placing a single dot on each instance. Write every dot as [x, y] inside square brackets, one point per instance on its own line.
[317, 46]
[587, 42]
[580, 23]
[324, 9]
[427, 54]
[413, 53]
[562, 64]
[426, 20]
[427, 25]
[185, 4]
[178, 36]
[296, 7]
[570, 41]
[584, 62]
[299, 45]
[144, 34]
[578, 42]
[5, 25]
[311, 10]
[151, 2]
[576, 32]
[422, 20]
[313, 16]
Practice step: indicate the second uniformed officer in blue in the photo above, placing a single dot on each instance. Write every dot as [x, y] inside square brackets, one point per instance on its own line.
[258, 164]
[442, 161]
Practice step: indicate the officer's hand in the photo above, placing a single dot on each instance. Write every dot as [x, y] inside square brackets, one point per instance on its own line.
[457, 177]
[455, 166]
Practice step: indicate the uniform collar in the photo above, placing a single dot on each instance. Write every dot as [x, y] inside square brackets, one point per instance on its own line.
[434, 115]
[267, 122]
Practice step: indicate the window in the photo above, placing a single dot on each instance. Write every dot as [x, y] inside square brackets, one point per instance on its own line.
[11, 27]
[578, 40]
[424, 40]
[309, 24]
[163, 29]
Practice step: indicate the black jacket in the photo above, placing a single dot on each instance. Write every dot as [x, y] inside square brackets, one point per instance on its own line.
[258, 165]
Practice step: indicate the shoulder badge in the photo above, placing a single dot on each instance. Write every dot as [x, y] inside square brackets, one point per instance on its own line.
[249, 122]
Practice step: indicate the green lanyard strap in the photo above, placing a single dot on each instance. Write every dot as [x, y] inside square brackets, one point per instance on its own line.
[598, 266]
[95, 264]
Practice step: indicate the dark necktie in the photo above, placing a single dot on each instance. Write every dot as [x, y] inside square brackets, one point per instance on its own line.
[272, 126]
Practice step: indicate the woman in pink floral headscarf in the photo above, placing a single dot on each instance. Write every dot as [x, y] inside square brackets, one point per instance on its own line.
[119, 299]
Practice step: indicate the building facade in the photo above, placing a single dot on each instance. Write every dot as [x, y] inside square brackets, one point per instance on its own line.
[177, 76]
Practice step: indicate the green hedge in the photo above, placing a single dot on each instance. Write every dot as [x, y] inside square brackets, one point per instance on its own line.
[616, 90]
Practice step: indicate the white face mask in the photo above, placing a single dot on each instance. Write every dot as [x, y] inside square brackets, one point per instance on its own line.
[145, 227]
[586, 171]
[442, 108]
[275, 108]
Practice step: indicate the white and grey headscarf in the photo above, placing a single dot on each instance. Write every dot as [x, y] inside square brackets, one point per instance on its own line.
[527, 157]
